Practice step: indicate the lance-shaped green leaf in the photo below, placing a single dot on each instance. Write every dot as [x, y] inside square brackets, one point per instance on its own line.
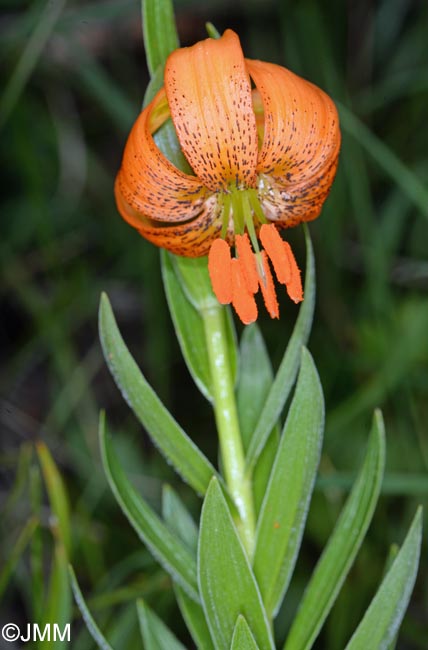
[154, 632]
[178, 518]
[180, 522]
[226, 582]
[159, 31]
[254, 382]
[194, 618]
[339, 554]
[162, 543]
[168, 436]
[289, 367]
[385, 613]
[93, 628]
[242, 638]
[285, 506]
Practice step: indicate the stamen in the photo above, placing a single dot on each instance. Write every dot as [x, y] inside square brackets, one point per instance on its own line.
[243, 301]
[294, 287]
[220, 270]
[268, 288]
[283, 260]
[247, 262]
[273, 245]
[249, 222]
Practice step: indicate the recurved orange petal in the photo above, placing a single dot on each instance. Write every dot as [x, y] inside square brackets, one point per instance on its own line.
[301, 142]
[149, 183]
[190, 239]
[209, 95]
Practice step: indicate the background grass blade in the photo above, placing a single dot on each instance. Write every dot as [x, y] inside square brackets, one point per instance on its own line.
[164, 545]
[285, 506]
[226, 582]
[167, 435]
[288, 369]
[340, 552]
[57, 495]
[383, 618]
[93, 628]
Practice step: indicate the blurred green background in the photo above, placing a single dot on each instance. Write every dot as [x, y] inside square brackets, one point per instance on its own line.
[73, 79]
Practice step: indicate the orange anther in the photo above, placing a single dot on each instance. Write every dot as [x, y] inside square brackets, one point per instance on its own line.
[220, 270]
[247, 261]
[273, 245]
[268, 289]
[294, 286]
[243, 301]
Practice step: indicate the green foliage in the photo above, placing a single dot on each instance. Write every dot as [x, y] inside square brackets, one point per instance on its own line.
[383, 618]
[242, 638]
[165, 432]
[170, 552]
[227, 584]
[76, 71]
[154, 632]
[287, 371]
[343, 545]
[285, 506]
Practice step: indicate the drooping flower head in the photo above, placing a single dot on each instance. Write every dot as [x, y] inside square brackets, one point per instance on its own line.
[263, 146]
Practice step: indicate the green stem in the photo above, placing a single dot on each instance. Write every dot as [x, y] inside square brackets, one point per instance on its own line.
[226, 415]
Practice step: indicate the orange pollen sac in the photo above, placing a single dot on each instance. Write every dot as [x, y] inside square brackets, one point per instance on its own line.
[236, 280]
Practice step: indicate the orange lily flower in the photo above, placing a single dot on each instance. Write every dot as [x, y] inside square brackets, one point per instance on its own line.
[263, 145]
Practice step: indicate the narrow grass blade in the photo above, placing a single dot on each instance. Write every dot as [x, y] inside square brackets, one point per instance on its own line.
[164, 546]
[242, 638]
[340, 552]
[57, 609]
[159, 31]
[29, 57]
[385, 613]
[168, 436]
[404, 177]
[285, 506]
[226, 582]
[16, 553]
[154, 632]
[57, 495]
[288, 369]
[93, 628]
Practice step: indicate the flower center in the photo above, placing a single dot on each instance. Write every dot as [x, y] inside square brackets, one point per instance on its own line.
[242, 206]
[237, 279]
